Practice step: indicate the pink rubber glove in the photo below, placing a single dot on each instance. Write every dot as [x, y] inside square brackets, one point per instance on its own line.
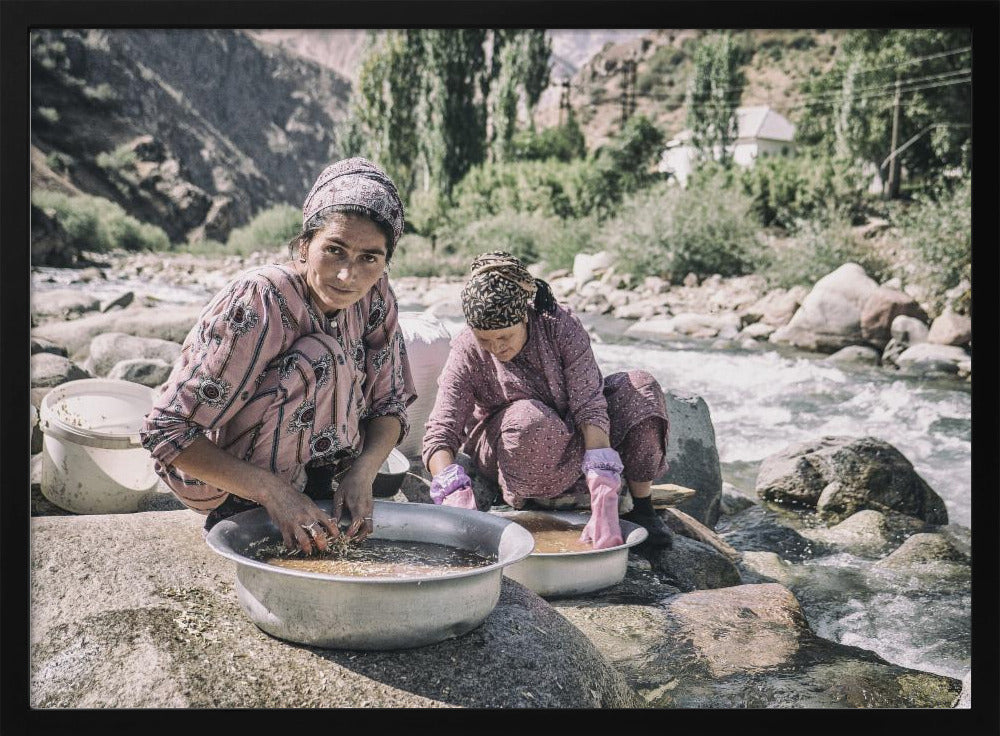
[602, 468]
[452, 487]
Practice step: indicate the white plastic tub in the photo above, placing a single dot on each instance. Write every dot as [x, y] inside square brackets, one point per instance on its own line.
[92, 461]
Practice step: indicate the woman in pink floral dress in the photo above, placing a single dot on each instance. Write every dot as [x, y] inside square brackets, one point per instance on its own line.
[295, 374]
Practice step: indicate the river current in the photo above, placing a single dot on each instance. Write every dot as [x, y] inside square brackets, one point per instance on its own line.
[761, 401]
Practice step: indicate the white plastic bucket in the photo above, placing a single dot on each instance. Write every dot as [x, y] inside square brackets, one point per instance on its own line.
[92, 460]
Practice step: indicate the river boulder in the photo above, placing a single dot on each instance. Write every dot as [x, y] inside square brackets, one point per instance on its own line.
[951, 329]
[859, 354]
[839, 476]
[830, 316]
[112, 347]
[135, 611]
[692, 456]
[921, 549]
[165, 324]
[879, 311]
[41, 345]
[150, 372]
[48, 370]
[865, 534]
[745, 646]
[927, 357]
[908, 330]
[62, 304]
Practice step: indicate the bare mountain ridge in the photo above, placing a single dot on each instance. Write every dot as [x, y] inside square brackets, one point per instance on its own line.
[191, 131]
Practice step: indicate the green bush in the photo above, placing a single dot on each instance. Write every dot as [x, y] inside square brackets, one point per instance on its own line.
[414, 256]
[670, 232]
[563, 143]
[786, 190]
[98, 224]
[120, 159]
[532, 237]
[818, 247]
[269, 229]
[938, 231]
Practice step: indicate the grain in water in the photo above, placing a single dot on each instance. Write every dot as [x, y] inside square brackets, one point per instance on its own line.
[376, 558]
[553, 536]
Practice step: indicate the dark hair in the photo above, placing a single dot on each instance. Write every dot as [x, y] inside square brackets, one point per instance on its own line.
[322, 218]
[545, 300]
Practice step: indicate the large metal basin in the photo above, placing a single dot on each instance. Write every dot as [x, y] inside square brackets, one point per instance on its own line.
[562, 574]
[338, 612]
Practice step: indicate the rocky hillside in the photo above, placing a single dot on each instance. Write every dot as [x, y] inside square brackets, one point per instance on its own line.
[776, 61]
[190, 131]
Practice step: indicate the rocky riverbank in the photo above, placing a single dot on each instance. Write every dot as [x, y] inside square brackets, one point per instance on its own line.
[724, 619]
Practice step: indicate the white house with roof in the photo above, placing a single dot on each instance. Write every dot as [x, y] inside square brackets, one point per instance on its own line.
[760, 132]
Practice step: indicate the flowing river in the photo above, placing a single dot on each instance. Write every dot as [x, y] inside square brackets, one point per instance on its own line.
[760, 402]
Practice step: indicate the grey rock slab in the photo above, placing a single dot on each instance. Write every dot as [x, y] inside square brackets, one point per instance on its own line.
[692, 456]
[62, 304]
[745, 646]
[49, 370]
[861, 354]
[134, 610]
[693, 565]
[150, 372]
[865, 533]
[110, 348]
[166, 324]
[839, 476]
[928, 357]
[41, 345]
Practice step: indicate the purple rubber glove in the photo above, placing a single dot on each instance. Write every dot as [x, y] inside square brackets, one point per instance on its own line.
[452, 487]
[602, 468]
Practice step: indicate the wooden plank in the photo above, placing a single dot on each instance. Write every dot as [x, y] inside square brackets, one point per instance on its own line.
[669, 494]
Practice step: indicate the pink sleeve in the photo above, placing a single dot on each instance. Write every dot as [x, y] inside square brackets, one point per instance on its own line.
[389, 387]
[453, 405]
[584, 383]
[225, 353]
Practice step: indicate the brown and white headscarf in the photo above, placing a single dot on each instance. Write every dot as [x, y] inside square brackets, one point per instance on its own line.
[500, 290]
[356, 185]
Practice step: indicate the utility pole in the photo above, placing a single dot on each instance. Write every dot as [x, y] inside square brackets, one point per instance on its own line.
[564, 103]
[628, 89]
[894, 164]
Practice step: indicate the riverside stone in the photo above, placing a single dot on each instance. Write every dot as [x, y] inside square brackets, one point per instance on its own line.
[62, 304]
[908, 330]
[882, 307]
[758, 330]
[120, 301]
[588, 265]
[855, 354]
[166, 324]
[950, 329]
[112, 347]
[118, 623]
[921, 549]
[865, 534]
[842, 475]
[928, 357]
[777, 307]
[150, 372]
[693, 565]
[830, 316]
[48, 370]
[692, 456]
[41, 345]
[745, 646]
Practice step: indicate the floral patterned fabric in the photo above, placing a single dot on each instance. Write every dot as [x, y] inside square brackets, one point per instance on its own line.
[520, 420]
[270, 379]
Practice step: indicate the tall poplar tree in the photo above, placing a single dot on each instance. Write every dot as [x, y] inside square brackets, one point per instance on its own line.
[713, 94]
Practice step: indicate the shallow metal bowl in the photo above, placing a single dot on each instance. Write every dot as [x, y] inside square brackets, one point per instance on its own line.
[339, 612]
[561, 574]
[391, 475]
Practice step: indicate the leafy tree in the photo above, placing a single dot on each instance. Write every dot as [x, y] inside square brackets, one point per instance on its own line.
[850, 108]
[623, 165]
[713, 94]
[563, 143]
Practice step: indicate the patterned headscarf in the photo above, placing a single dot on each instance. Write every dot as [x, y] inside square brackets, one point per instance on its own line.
[356, 185]
[499, 291]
